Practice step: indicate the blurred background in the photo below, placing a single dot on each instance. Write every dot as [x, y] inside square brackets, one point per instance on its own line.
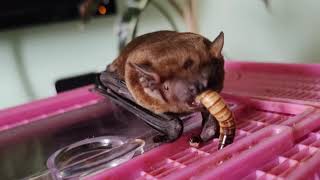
[37, 54]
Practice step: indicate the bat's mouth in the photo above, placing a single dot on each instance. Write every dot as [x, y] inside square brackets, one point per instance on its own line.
[194, 104]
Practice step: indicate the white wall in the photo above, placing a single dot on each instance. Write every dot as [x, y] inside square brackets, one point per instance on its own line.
[286, 33]
[289, 32]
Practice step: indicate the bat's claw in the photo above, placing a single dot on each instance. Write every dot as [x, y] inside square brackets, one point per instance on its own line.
[226, 140]
[195, 141]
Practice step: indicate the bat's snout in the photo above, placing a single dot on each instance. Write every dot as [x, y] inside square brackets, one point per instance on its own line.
[194, 90]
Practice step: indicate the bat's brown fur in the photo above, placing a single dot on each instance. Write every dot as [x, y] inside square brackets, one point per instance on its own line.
[167, 53]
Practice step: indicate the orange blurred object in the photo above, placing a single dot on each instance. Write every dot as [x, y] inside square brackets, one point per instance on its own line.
[102, 9]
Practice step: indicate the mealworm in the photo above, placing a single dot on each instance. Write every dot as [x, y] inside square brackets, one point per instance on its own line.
[220, 110]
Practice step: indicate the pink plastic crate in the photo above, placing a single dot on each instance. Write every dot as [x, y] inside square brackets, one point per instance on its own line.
[296, 83]
[264, 131]
[298, 162]
[273, 129]
[37, 110]
[278, 129]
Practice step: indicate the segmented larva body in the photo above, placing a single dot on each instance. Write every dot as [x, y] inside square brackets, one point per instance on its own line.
[220, 110]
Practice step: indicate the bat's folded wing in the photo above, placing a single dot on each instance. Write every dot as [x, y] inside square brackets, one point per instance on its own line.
[109, 85]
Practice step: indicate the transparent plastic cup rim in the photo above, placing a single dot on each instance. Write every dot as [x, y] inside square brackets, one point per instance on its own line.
[92, 155]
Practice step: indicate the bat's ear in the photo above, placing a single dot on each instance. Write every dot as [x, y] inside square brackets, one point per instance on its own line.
[216, 46]
[147, 75]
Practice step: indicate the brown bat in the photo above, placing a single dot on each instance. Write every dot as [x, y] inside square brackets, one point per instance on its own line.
[164, 71]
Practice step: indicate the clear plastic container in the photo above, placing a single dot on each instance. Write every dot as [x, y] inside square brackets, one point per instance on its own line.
[92, 155]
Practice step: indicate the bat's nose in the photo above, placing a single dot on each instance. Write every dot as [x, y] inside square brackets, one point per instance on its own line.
[193, 90]
[203, 84]
[187, 91]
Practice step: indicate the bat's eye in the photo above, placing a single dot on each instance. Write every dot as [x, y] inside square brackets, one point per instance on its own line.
[188, 64]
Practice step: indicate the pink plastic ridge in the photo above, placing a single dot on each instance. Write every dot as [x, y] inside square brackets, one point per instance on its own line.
[295, 83]
[40, 109]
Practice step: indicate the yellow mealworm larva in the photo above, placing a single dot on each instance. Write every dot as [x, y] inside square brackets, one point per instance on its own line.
[219, 109]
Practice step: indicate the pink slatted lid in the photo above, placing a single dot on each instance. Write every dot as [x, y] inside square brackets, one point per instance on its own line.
[265, 130]
[278, 128]
[273, 131]
[295, 83]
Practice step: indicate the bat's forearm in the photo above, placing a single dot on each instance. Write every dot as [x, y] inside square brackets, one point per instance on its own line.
[115, 89]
